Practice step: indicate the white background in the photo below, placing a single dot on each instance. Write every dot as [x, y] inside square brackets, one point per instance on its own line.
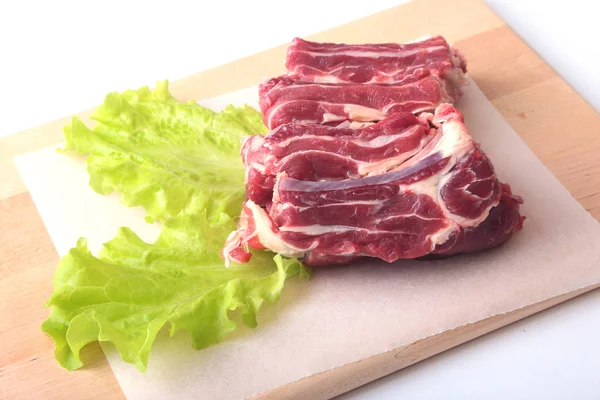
[60, 57]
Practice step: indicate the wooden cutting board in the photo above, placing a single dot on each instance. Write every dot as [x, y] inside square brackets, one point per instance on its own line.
[554, 121]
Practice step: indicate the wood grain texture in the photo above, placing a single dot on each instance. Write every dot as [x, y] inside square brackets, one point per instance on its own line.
[28, 369]
[554, 121]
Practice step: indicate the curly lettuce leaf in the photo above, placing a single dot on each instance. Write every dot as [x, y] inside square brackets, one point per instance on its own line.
[133, 289]
[165, 156]
[181, 162]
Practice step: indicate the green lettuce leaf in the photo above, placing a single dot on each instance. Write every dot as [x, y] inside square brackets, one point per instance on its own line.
[166, 156]
[133, 289]
[181, 162]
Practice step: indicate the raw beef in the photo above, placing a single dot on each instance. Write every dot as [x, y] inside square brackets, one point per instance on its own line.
[444, 200]
[328, 184]
[317, 152]
[283, 100]
[374, 63]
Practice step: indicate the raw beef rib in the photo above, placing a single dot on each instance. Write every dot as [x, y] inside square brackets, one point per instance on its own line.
[328, 82]
[328, 184]
[318, 152]
[374, 63]
[283, 100]
[445, 199]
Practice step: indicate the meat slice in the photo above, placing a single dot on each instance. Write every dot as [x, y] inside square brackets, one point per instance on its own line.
[444, 200]
[389, 63]
[318, 152]
[283, 100]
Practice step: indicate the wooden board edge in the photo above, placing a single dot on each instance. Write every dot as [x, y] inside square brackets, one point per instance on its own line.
[328, 384]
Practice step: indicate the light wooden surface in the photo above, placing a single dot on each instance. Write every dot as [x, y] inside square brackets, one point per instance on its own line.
[554, 121]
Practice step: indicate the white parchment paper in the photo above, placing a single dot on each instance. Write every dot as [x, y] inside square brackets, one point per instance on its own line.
[347, 313]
